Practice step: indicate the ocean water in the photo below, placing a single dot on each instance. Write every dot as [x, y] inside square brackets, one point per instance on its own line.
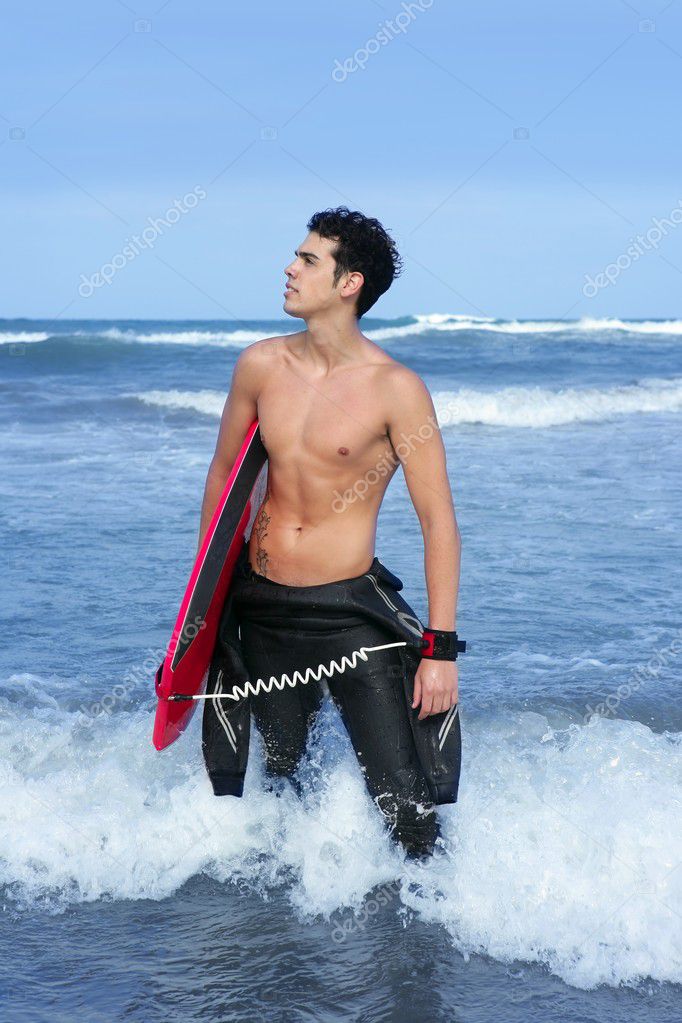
[129, 892]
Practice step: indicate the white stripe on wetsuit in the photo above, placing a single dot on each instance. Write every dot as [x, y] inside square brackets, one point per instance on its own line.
[399, 614]
[446, 726]
[450, 716]
[222, 716]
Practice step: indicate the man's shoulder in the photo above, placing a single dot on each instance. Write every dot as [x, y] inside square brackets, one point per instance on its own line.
[255, 363]
[398, 390]
[265, 348]
[399, 380]
[261, 357]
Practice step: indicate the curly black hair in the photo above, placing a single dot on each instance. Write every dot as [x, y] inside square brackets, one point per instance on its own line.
[363, 246]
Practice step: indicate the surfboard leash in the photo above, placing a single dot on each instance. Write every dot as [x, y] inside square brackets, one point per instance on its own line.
[240, 692]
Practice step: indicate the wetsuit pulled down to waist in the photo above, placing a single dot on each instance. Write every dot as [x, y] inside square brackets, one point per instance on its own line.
[280, 647]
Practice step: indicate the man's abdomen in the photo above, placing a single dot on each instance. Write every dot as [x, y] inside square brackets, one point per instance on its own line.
[310, 555]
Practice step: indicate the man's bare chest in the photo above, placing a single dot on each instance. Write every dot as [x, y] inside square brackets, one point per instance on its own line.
[339, 424]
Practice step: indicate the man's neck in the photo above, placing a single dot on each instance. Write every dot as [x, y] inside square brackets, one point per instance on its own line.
[332, 343]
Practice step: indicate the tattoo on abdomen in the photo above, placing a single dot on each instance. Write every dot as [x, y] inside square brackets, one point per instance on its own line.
[260, 528]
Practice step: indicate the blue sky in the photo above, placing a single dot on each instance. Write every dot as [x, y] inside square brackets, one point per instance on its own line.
[511, 149]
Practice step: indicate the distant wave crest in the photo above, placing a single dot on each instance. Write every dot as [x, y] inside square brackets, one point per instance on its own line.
[449, 322]
[427, 323]
[237, 338]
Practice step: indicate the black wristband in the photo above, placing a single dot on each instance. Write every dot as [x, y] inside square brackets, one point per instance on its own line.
[442, 646]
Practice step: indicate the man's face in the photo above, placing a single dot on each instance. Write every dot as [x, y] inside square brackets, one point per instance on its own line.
[310, 278]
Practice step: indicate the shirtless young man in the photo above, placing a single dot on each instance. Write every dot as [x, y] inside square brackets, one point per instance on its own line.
[337, 417]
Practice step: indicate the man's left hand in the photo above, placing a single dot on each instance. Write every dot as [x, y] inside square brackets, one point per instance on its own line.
[435, 686]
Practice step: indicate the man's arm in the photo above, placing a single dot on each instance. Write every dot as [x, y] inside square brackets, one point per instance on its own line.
[241, 408]
[415, 435]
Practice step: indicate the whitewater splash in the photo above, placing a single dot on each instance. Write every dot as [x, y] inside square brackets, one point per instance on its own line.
[527, 407]
[562, 848]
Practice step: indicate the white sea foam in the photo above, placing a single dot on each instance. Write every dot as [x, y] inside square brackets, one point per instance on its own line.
[541, 407]
[633, 326]
[423, 323]
[209, 403]
[430, 323]
[456, 322]
[561, 850]
[511, 406]
[227, 338]
[10, 337]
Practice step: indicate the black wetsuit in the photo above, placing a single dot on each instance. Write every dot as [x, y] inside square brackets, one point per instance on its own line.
[272, 629]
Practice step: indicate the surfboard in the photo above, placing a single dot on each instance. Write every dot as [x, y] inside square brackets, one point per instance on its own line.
[192, 642]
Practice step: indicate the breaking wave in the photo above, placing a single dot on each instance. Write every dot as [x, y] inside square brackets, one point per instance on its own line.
[530, 407]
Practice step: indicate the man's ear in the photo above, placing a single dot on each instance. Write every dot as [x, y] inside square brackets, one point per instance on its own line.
[352, 284]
